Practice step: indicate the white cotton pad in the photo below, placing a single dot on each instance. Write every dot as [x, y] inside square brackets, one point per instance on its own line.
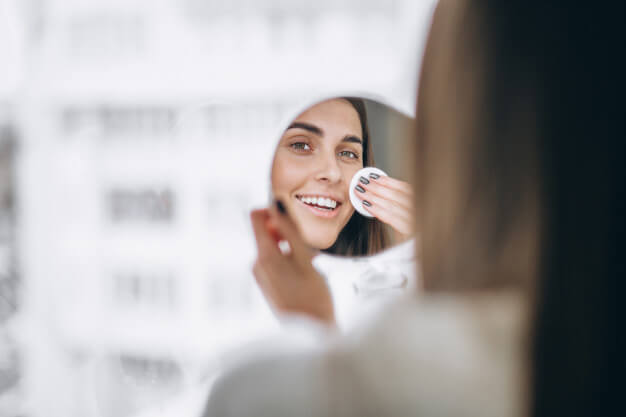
[364, 172]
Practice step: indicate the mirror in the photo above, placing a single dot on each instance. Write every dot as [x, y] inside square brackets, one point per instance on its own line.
[320, 151]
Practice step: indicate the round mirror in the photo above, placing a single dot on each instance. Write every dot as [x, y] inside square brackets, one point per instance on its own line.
[317, 172]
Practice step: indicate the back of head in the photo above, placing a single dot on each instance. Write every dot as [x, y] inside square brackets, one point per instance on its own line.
[519, 153]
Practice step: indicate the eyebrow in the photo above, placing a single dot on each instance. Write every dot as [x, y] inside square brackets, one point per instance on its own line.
[319, 132]
[352, 139]
[306, 126]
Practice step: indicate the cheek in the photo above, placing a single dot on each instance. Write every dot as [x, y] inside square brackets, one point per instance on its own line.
[349, 212]
[349, 172]
[287, 175]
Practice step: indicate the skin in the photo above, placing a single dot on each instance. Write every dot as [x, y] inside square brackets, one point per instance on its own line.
[288, 281]
[391, 201]
[317, 156]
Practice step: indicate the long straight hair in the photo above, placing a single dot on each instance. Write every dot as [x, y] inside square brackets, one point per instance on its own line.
[361, 235]
[519, 169]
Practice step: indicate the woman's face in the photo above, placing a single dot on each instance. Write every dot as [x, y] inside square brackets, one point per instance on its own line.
[316, 158]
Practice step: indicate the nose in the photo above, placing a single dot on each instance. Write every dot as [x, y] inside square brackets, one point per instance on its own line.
[329, 170]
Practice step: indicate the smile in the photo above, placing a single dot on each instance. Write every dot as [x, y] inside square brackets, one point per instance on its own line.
[319, 205]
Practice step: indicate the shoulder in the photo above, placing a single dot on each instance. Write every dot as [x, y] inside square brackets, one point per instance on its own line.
[418, 356]
[289, 384]
[424, 351]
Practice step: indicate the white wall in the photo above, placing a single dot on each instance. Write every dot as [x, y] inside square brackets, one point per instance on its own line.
[117, 315]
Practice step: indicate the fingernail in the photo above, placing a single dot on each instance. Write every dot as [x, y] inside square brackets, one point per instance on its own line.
[359, 189]
[364, 180]
[374, 176]
[281, 207]
[367, 203]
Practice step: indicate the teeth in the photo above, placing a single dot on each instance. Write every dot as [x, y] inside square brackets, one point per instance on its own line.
[320, 201]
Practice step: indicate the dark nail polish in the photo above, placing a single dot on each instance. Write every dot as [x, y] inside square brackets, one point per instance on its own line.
[364, 180]
[374, 176]
[367, 203]
[359, 189]
[281, 207]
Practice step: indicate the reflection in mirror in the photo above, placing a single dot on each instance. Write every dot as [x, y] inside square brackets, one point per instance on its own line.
[318, 155]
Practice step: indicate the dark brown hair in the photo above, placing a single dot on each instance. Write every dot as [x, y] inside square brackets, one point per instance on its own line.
[519, 168]
[361, 235]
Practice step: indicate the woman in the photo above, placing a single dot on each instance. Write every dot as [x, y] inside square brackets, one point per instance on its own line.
[515, 236]
[315, 160]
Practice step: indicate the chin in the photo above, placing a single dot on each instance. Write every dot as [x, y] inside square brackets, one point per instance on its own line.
[323, 242]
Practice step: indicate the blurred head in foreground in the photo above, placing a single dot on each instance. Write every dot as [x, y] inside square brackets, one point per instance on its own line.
[517, 178]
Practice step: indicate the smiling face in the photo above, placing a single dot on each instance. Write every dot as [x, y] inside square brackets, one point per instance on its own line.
[316, 158]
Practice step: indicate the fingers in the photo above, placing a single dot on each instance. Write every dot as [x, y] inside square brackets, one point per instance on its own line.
[390, 200]
[263, 279]
[290, 283]
[271, 226]
[289, 231]
[390, 189]
[265, 242]
[397, 217]
[390, 212]
[395, 184]
[268, 252]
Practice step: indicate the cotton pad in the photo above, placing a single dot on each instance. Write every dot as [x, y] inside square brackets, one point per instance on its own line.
[356, 202]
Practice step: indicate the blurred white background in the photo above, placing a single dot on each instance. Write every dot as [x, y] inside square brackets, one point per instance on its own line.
[135, 136]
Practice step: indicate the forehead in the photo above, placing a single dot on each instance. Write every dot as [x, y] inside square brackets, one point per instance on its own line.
[334, 117]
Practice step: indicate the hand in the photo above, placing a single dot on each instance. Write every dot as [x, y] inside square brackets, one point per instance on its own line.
[288, 281]
[389, 200]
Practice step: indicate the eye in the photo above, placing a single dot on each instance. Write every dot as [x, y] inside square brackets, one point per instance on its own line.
[349, 154]
[300, 146]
